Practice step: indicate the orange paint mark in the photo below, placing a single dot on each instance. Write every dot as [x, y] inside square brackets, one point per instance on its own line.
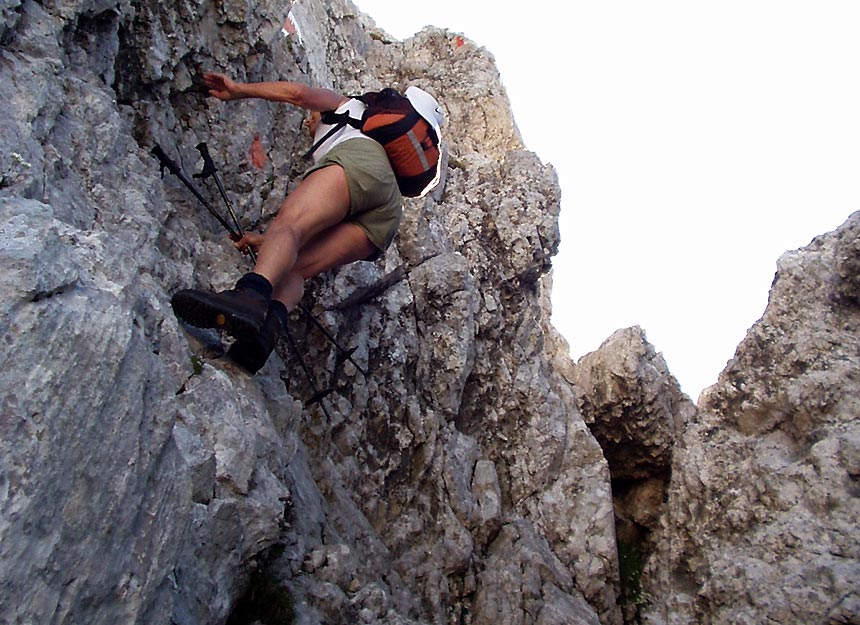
[257, 154]
[289, 27]
[459, 42]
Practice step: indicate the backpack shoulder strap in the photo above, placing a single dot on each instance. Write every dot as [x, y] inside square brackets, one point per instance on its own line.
[337, 122]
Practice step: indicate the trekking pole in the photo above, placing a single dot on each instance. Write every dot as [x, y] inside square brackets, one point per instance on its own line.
[209, 169]
[318, 397]
[346, 352]
[174, 169]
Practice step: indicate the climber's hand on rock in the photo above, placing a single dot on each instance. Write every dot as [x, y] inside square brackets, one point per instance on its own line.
[221, 86]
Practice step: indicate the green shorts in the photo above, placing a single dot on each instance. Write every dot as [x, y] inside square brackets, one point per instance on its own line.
[375, 201]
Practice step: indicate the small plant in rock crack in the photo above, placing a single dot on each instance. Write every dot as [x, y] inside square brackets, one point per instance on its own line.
[197, 364]
[631, 561]
[15, 171]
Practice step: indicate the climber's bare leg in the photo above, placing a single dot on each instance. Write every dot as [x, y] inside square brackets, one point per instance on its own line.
[319, 202]
[339, 245]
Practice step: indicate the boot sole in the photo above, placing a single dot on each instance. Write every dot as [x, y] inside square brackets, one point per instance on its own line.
[201, 310]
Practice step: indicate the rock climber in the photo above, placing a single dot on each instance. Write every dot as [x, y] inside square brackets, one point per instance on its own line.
[347, 207]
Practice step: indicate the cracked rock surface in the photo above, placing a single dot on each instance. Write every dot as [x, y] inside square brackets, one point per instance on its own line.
[760, 524]
[143, 476]
[453, 471]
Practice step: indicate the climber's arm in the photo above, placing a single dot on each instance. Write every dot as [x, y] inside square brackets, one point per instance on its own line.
[311, 98]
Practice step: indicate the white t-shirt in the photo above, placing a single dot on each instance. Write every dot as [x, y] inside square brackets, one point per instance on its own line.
[355, 108]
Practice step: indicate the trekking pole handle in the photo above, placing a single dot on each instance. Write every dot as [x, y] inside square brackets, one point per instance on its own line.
[174, 169]
[208, 163]
[209, 169]
[165, 161]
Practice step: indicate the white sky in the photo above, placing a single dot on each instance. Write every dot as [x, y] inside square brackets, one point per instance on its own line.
[695, 142]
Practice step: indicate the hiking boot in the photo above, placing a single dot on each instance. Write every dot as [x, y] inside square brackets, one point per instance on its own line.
[252, 352]
[239, 312]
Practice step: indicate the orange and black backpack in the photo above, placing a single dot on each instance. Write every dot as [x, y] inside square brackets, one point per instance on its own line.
[411, 142]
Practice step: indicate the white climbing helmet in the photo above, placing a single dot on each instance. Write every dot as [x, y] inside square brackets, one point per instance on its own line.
[428, 108]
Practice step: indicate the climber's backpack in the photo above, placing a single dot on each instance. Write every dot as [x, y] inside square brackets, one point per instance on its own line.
[411, 143]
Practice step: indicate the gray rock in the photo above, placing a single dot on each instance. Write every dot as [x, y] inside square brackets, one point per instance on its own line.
[632, 404]
[144, 475]
[519, 559]
[760, 524]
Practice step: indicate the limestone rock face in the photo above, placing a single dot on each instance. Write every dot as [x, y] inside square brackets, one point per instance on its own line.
[632, 404]
[456, 467]
[761, 523]
[637, 413]
[144, 477]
